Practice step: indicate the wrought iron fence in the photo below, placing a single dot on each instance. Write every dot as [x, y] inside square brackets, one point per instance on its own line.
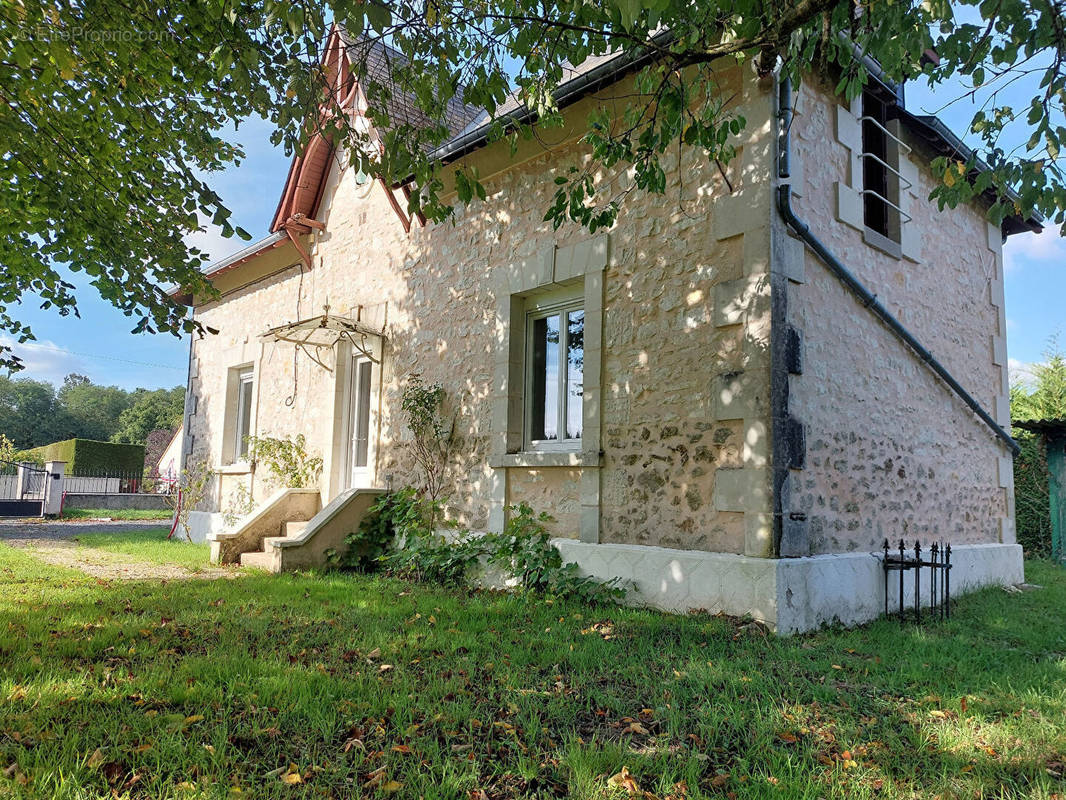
[936, 594]
[116, 482]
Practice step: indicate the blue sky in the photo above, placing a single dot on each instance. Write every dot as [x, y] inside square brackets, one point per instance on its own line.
[100, 344]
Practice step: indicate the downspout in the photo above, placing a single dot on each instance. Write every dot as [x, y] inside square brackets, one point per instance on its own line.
[845, 276]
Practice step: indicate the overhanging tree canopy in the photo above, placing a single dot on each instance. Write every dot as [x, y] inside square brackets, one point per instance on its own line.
[110, 109]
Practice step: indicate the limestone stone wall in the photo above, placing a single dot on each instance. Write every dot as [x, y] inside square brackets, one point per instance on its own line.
[890, 450]
[678, 455]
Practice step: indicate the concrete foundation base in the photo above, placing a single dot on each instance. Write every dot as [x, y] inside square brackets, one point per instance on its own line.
[201, 523]
[790, 595]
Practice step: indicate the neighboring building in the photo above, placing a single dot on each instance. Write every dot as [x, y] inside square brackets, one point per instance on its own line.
[168, 465]
[699, 402]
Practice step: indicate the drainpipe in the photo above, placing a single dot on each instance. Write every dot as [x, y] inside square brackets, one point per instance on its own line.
[853, 284]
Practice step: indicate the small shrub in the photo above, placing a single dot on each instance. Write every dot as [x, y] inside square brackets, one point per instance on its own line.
[238, 506]
[432, 438]
[7, 449]
[399, 534]
[393, 514]
[190, 490]
[418, 551]
[287, 459]
[524, 551]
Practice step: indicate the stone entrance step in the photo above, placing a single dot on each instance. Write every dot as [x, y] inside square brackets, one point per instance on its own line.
[259, 560]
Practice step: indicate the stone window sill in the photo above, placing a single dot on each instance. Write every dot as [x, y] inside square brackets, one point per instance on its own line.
[546, 458]
[882, 243]
[241, 468]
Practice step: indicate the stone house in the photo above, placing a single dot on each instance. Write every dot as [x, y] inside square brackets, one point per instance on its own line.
[702, 397]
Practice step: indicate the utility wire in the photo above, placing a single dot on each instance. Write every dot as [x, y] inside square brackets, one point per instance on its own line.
[14, 345]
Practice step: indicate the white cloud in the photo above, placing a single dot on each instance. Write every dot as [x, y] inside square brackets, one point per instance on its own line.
[1022, 371]
[1042, 249]
[212, 242]
[45, 360]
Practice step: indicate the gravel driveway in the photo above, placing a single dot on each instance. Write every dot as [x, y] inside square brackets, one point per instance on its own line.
[53, 542]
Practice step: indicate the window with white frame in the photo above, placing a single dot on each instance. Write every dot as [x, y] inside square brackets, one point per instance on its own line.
[555, 361]
[242, 411]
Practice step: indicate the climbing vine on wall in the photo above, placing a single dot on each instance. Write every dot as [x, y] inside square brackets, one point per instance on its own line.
[432, 434]
[288, 460]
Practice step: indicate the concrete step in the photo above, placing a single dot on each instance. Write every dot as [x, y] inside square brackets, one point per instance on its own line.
[260, 560]
[290, 529]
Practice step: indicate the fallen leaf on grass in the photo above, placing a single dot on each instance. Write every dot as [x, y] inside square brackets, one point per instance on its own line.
[96, 759]
[392, 786]
[625, 780]
[374, 778]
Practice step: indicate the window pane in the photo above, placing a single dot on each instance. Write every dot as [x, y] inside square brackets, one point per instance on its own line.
[361, 443]
[545, 388]
[244, 414]
[575, 367]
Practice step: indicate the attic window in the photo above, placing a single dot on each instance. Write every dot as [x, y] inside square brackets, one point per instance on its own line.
[881, 178]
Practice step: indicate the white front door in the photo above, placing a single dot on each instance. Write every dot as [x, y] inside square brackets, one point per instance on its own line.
[362, 422]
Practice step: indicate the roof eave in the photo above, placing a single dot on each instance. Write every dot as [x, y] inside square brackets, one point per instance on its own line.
[940, 137]
[185, 297]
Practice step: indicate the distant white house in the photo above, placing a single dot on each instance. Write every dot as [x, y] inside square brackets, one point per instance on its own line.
[169, 464]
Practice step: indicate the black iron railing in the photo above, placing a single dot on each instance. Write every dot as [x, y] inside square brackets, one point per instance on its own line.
[936, 562]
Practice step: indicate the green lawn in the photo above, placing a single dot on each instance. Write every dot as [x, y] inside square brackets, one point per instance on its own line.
[334, 686]
[117, 513]
[148, 545]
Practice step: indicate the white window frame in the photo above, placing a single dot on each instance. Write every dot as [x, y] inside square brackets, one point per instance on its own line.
[361, 477]
[541, 307]
[243, 419]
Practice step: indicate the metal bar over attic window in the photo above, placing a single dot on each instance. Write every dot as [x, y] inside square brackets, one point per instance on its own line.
[904, 183]
[906, 148]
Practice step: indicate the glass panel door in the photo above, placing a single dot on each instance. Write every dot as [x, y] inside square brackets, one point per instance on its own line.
[361, 423]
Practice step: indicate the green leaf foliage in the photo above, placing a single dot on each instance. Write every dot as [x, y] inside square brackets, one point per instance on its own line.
[399, 534]
[287, 460]
[1041, 395]
[35, 413]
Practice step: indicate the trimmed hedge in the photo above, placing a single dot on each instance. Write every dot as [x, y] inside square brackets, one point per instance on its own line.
[89, 457]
